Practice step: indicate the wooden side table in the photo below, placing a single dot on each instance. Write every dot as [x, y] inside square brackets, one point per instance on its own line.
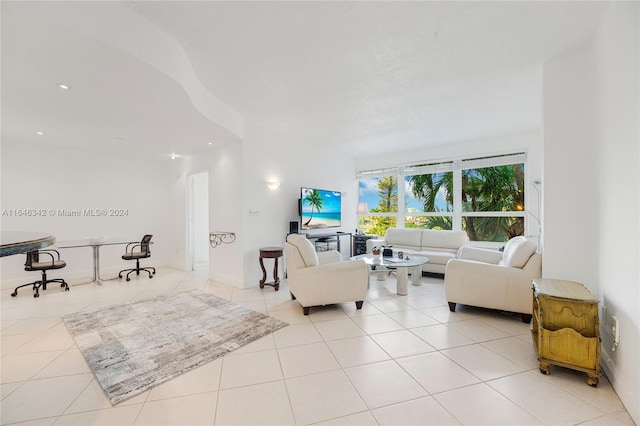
[270, 253]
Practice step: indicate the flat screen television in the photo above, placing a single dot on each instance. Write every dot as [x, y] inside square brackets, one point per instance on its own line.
[320, 208]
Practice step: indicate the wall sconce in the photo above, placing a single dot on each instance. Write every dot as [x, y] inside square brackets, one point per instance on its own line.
[273, 184]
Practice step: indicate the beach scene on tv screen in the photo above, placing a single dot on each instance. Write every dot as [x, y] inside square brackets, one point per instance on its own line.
[320, 208]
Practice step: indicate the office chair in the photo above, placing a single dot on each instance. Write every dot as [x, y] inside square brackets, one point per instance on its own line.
[142, 252]
[34, 263]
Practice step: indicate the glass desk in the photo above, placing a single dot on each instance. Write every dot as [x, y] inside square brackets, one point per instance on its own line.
[95, 244]
[402, 267]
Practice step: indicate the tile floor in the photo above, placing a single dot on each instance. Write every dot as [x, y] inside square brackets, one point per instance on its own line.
[401, 360]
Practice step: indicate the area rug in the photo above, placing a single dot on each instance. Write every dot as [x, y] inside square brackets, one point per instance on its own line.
[138, 345]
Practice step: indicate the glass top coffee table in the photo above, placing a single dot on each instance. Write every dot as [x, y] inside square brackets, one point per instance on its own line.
[402, 267]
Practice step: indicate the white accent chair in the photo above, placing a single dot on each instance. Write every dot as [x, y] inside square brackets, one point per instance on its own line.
[317, 279]
[493, 279]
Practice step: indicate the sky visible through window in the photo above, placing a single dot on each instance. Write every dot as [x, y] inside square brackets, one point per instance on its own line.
[368, 190]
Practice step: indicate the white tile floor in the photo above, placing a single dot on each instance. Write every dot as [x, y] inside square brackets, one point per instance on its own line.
[401, 360]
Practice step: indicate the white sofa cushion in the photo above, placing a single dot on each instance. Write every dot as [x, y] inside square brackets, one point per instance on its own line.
[451, 240]
[517, 252]
[306, 249]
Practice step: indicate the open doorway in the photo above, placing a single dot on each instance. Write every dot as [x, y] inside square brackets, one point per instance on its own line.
[198, 221]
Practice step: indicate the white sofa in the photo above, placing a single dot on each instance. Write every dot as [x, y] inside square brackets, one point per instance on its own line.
[317, 279]
[438, 246]
[493, 279]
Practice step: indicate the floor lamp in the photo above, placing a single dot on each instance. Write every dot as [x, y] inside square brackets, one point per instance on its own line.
[363, 208]
[536, 183]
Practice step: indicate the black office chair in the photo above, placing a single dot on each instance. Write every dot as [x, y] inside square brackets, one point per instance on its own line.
[138, 251]
[34, 263]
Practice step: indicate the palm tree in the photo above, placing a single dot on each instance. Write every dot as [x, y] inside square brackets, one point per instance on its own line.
[426, 188]
[487, 189]
[492, 189]
[315, 201]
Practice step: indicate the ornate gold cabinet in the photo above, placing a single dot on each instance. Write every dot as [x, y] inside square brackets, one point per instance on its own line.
[565, 327]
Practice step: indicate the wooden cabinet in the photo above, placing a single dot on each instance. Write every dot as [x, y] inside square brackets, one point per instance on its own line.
[565, 328]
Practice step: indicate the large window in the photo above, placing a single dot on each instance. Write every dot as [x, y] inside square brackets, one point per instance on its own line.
[429, 201]
[483, 196]
[381, 196]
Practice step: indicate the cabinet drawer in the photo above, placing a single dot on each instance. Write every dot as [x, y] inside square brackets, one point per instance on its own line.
[569, 347]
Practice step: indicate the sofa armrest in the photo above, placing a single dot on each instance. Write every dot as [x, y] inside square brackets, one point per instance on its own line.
[330, 283]
[490, 286]
[479, 255]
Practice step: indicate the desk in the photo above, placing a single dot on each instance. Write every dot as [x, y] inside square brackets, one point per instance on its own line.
[335, 236]
[16, 242]
[95, 244]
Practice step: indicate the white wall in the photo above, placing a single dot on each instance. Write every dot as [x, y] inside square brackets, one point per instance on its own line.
[591, 183]
[227, 212]
[269, 155]
[617, 54]
[199, 219]
[224, 166]
[42, 177]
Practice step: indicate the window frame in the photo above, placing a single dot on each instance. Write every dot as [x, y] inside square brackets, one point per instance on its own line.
[456, 166]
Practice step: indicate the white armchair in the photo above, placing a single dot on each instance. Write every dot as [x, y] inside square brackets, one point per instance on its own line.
[317, 279]
[493, 279]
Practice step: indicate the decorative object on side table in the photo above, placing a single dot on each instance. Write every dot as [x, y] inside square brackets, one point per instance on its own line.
[376, 250]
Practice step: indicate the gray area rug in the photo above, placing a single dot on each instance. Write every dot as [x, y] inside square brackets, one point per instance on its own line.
[141, 344]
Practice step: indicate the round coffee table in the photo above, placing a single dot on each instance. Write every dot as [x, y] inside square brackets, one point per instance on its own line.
[402, 267]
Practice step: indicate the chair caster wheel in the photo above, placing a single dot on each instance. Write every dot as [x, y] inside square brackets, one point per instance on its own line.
[66, 289]
[14, 294]
[128, 279]
[150, 276]
[119, 276]
[36, 295]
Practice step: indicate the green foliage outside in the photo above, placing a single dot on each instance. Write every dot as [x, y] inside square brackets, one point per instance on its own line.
[388, 192]
[490, 189]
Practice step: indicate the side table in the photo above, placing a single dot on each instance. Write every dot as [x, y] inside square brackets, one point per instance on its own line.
[566, 328]
[270, 253]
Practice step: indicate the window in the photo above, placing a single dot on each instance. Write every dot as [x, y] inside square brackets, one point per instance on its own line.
[482, 196]
[429, 201]
[493, 202]
[381, 196]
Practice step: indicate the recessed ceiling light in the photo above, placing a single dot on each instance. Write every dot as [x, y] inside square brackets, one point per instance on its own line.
[64, 86]
[40, 133]
[210, 143]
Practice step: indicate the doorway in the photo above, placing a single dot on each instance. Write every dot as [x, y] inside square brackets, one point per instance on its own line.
[198, 221]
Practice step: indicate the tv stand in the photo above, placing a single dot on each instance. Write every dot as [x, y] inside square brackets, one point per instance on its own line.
[330, 238]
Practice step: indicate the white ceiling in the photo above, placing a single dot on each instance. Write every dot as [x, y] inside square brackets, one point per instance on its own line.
[360, 77]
